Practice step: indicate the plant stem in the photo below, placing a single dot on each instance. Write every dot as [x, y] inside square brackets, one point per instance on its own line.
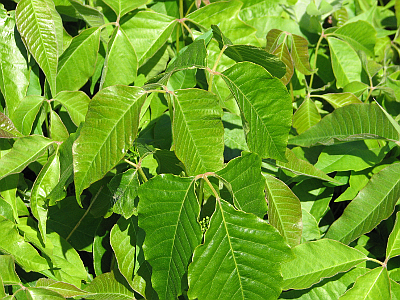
[201, 193]
[377, 261]
[211, 187]
[215, 68]
[316, 56]
[138, 168]
[84, 215]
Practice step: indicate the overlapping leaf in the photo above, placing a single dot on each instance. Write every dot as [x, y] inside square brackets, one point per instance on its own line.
[306, 116]
[265, 106]
[168, 213]
[374, 203]
[340, 99]
[7, 267]
[26, 112]
[300, 54]
[231, 264]
[121, 7]
[76, 104]
[7, 128]
[110, 129]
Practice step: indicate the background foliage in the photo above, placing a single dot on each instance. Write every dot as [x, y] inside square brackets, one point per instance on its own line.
[199, 149]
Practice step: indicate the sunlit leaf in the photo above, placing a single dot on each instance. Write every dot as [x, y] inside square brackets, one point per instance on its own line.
[58, 131]
[393, 247]
[7, 267]
[90, 15]
[7, 128]
[26, 112]
[300, 54]
[282, 52]
[121, 7]
[76, 104]
[340, 99]
[306, 116]
[110, 286]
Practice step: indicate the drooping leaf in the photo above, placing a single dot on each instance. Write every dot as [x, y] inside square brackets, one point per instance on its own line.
[197, 130]
[168, 213]
[126, 239]
[90, 15]
[231, 264]
[14, 73]
[374, 203]
[25, 150]
[76, 103]
[23, 253]
[7, 267]
[375, 285]
[7, 128]
[300, 54]
[306, 116]
[393, 246]
[121, 62]
[265, 106]
[346, 64]
[347, 123]
[243, 175]
[110, 129]
[78, 59]
[121, 7]
[340, 99]
[312, 263]
[148, 31]
[41, 28]
[284, 210]
[25, 114]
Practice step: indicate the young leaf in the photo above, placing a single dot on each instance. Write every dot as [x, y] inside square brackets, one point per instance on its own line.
[198, 131]
[76, 103]
[284, 210]
[39, 25]
[273, 39]
[121, 7]
[393, 246]
[168, 213]
[121, 62]
[233, 264]
[339, 99]
[24, 253]
[312, 263]
[24, 151]
[79, 59]
[26, 112]
[347, 123]
[373, 285]
[306, 116]
[7, 128]
[243, 175]
[300, 54]
[14, 73]
[7, 267]
[110, 129]
[374, 203]
[266, 108]
[282, 52]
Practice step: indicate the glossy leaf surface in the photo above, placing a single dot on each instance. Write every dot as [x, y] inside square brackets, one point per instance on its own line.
[121, 7]
[7, 128]
[393, 247]
[76, 104]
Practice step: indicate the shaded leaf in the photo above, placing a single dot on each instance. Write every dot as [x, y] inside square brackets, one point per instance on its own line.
[374, 203]
[168, 213]
[76, 103]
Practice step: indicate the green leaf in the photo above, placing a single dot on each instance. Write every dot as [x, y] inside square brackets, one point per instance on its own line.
[198, 131]
[361, 35]
[8, 190]
[124, 188]
[357, 181]
[300, 54]
[110, 286]
[41, 28]
[42, 294]
[233, 264]
[245, 182]
[24, 253]
[90, 15]
[58, 131]
[374, 203]
[24, 151]
[44, 184]
[7, 267]
[126, 239]
[26, 112]
[339, 99]
[110, 129]
[14, 73]
[266, 120]
[306, 116]
[78, 59]
[121, 7]
[249, 53]
[168, 213]
[310, 227]
[121, 62]
[7, 128]
[66, 290]
[284, 210]
[375, 285]
[282, 52]
[312, 263]
[148, 31]
[347, 123]
[393, 246]
[346, 64]
[76, 103]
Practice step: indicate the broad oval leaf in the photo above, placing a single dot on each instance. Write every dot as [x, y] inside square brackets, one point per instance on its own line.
[240, 258]
[39, 24]
[168, 213]
[265, 106]
[374, 203]
[347, 123]
[78, 61]
[284, 210]
[76, 103]
[111, 126]
[7, 128]
[198, 131]
[393, 245]
[25, 150]
[312, 262]
[121, 7]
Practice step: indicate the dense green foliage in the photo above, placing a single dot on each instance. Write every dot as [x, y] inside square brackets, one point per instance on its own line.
[195, 150]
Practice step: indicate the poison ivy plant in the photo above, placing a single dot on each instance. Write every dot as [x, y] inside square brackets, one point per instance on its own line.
[190, 149]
